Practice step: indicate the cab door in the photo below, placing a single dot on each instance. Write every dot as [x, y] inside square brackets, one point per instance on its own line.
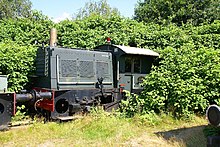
[130, 69]
[125, 81]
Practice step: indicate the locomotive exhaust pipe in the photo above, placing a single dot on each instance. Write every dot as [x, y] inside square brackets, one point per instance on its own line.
[213, 115]
[53, 37]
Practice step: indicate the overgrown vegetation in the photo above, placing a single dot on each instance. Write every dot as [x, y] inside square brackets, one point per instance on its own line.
[178, 11]
[20, 115]
[15, 8]
[101, 8]
[104, 129]
[185, 82]
[17, 62]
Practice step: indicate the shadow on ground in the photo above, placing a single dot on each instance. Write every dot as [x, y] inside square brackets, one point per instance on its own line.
[191, 137]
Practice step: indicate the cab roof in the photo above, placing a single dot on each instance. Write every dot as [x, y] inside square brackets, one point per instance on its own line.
[137, 51]
[127, 50]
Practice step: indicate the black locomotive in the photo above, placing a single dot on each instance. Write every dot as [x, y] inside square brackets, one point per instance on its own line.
[69, 81]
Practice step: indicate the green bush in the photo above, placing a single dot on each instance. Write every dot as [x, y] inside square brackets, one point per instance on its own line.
[25, 31]
[187, 81]
[94, 30]
[17, 62]
[188, 76]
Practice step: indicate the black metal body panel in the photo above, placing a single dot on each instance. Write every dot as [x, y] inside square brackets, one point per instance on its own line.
[63, 69]
[7, 109]
[69, 102]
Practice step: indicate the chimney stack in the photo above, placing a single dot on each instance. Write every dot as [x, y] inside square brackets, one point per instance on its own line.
[53, 37]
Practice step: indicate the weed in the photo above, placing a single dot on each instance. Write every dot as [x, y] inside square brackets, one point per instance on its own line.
[100, 128]
[20, 114]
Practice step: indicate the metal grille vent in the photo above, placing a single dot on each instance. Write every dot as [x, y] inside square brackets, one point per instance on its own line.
[42, 62]
[86, 69]
[68, 68]
[46, 63]
[102, 69]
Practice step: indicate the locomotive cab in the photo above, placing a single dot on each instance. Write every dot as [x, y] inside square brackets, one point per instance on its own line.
[130, 65]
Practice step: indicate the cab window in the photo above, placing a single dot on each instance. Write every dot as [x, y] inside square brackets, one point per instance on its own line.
[132, 65]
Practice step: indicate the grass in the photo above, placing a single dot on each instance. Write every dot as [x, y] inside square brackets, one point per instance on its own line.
[108, 130]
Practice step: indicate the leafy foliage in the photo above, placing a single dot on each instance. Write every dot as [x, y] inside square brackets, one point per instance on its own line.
[187, 78]
[18, 42]
[93, 31]
[16, 62]
[132, 105]
[15, 8]
[178, 11]
[25, 31]
[186, 81]
[101, 8]
[20, 114]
